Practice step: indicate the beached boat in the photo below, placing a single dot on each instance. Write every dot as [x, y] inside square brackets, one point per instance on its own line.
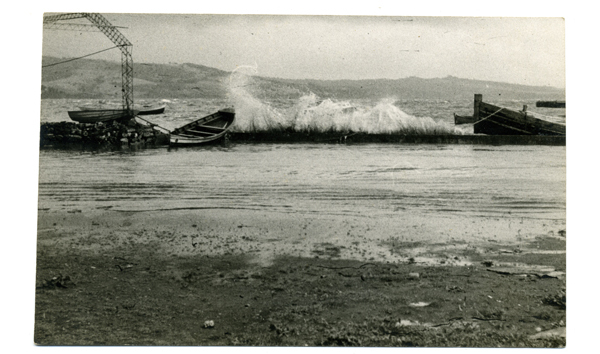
[463, 119]
[100, 115]
[203, 130]
[551, 104]
[494, 120]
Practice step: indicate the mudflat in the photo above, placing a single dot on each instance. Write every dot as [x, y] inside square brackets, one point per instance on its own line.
[252, 278]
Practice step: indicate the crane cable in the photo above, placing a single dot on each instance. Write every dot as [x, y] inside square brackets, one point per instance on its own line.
[66, 61]
[152, 124]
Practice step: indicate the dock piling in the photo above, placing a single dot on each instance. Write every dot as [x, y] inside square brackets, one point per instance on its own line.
[478, 99]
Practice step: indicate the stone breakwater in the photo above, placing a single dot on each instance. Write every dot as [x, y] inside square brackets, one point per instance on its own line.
[118, 134]
[113, 133]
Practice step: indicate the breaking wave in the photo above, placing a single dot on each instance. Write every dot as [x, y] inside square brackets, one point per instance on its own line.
[309, 113]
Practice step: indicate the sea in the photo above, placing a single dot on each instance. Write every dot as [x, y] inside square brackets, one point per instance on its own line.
[343, 180]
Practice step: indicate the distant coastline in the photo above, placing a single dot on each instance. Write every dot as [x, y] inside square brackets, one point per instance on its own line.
[89, 78]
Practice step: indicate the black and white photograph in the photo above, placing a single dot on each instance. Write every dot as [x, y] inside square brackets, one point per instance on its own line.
[225, 179]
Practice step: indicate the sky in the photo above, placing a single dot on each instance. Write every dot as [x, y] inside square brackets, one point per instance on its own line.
[521, 50]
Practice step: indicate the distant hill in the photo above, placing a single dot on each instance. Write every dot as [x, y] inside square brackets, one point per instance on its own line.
[88, 78]
[448, 88]
[102, 79]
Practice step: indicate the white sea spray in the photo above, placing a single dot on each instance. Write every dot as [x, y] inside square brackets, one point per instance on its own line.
[310, 113]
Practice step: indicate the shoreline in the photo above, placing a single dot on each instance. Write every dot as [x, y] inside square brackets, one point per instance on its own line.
[266, 278]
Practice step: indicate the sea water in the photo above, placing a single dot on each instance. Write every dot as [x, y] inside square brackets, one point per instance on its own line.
[346, 180]
[370, 179]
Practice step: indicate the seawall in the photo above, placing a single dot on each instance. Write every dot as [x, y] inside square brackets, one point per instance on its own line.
[299, 137]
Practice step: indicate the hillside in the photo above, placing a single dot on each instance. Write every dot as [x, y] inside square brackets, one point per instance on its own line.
[102, 79]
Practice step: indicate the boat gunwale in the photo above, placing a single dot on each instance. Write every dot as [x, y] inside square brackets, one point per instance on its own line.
[227, 117]
[517, 121]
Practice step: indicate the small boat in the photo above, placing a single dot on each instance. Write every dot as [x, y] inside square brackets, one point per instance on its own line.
[463, 119]
[551, 104]
[150, 111]
[142, 111]
[495, 120]
[205, 129]
[100, 115]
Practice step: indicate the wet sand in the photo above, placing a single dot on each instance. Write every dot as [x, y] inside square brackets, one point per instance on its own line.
[272, 278]
[264, 235]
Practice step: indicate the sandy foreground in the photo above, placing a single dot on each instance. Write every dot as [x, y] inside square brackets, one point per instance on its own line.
[254, 278]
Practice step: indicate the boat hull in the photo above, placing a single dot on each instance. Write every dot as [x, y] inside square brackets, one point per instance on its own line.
[100, 115]
[142, 111]
[463, 119]
[494, 120]
[204, 130]
[152, 111]
[185, 140]
[551, 104]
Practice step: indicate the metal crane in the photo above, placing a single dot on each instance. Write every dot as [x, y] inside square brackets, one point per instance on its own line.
[100, 23]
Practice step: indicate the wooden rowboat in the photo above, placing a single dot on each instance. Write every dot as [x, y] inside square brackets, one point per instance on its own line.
[150, 111]
[100, 115]
[203, 130]
[142, 111]
[463, 119]
[495, 120]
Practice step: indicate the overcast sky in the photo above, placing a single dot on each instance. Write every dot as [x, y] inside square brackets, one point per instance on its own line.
[526, 50]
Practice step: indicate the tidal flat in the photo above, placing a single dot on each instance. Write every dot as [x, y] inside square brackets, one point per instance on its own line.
[118, 278]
